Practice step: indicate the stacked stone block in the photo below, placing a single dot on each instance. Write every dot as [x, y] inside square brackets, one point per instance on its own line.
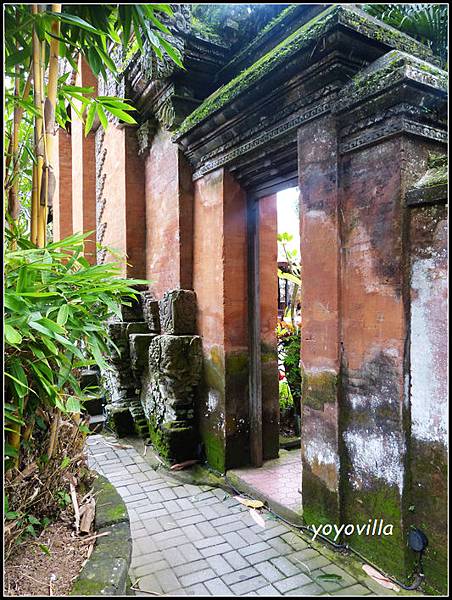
[122, 381]
[174, 372]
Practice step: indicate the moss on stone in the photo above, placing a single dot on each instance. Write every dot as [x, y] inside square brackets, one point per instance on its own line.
[237, 363]
[215, 450]
[298, 40]
[319, 389]
[392, 66]
[260, 68]
[87, 587]
[110, 507]
[437, 173]
[320, 504]
[204, 31]
[389, 552]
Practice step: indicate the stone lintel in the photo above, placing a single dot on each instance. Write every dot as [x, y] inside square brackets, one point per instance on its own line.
[435, 194]
[357, 25]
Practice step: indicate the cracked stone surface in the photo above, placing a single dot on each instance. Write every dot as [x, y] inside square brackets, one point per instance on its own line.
[198, 540]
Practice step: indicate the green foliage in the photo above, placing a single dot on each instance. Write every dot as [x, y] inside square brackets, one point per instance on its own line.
[285, 396]
[291, 345]
[56, 305]
[243, 21]
[95, 32]
[294, 273]
[424, 22]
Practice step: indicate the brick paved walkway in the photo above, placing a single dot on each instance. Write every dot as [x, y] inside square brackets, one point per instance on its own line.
[198, 540]
[278, 479]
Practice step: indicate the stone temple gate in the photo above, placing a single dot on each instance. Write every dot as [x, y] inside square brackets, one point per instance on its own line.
[354, 113]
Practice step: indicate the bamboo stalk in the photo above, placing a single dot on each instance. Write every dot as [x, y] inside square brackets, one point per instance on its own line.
[14, 441]
[13, 196]
[20, 113]
[42, 216]
[49, 185]
[53, 433]
[37, 99]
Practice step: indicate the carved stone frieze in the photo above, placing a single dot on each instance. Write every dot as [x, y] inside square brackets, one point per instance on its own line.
[388, 128]
[101, 154]
[268, 136]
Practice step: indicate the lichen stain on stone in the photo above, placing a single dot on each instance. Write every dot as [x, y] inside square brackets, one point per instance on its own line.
[375, 455]
[323, 461]
[428, 387]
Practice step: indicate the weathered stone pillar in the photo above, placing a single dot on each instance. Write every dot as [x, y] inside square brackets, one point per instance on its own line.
[384, 144]
[320, 348]
[428, 373]
[170, 384]
[62, 200]
[268, 274]
[220, 283]
[169, 216]
[84, 171]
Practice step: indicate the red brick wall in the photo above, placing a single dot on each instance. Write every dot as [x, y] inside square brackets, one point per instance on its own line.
[235, 267]
[169, 216]
[62, 202]
[208, 281]
[268, 274]
[268, 267]
[84, 171]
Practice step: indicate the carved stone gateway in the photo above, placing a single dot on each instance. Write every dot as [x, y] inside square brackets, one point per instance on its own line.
[352, 112]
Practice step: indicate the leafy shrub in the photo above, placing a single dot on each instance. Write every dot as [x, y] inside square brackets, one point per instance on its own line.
[56, 305]
[289, 345]
[285, 396]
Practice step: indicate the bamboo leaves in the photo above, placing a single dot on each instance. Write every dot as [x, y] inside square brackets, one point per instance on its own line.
[35, 40]
[56, 305]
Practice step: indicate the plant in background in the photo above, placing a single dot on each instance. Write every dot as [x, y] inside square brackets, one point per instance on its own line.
[285, 396]
[289, 346]
[294, 272]
[425, 22]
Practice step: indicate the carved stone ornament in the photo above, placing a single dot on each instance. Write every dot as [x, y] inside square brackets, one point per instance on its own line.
[145, 134]
[178, 312]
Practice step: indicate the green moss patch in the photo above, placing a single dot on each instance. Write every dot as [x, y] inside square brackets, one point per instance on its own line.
[110, 508]
[319, 389]
[297, 41]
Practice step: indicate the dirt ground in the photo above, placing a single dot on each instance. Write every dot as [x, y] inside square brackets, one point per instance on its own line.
[31, 571]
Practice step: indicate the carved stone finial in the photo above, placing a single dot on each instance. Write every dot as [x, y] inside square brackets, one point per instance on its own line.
[145, 134]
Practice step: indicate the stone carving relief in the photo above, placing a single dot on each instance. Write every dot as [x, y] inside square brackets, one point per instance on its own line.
[145, 134]
[178, 312]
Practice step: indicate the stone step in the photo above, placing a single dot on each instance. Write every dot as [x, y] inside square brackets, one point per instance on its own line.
[89, 378]
[96, 423]
[94, 405]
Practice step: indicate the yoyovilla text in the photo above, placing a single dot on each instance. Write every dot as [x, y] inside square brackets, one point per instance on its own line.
[375, 527]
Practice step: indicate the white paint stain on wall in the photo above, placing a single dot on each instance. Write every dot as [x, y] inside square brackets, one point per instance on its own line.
[375, 456]
[428, 390]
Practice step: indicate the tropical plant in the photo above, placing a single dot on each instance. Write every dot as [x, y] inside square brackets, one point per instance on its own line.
[294, 271]
[289, 346]
[425, 22]
[38, 43]
[56, 305]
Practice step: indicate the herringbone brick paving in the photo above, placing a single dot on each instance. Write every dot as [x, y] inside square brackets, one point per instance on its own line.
[198, 540]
